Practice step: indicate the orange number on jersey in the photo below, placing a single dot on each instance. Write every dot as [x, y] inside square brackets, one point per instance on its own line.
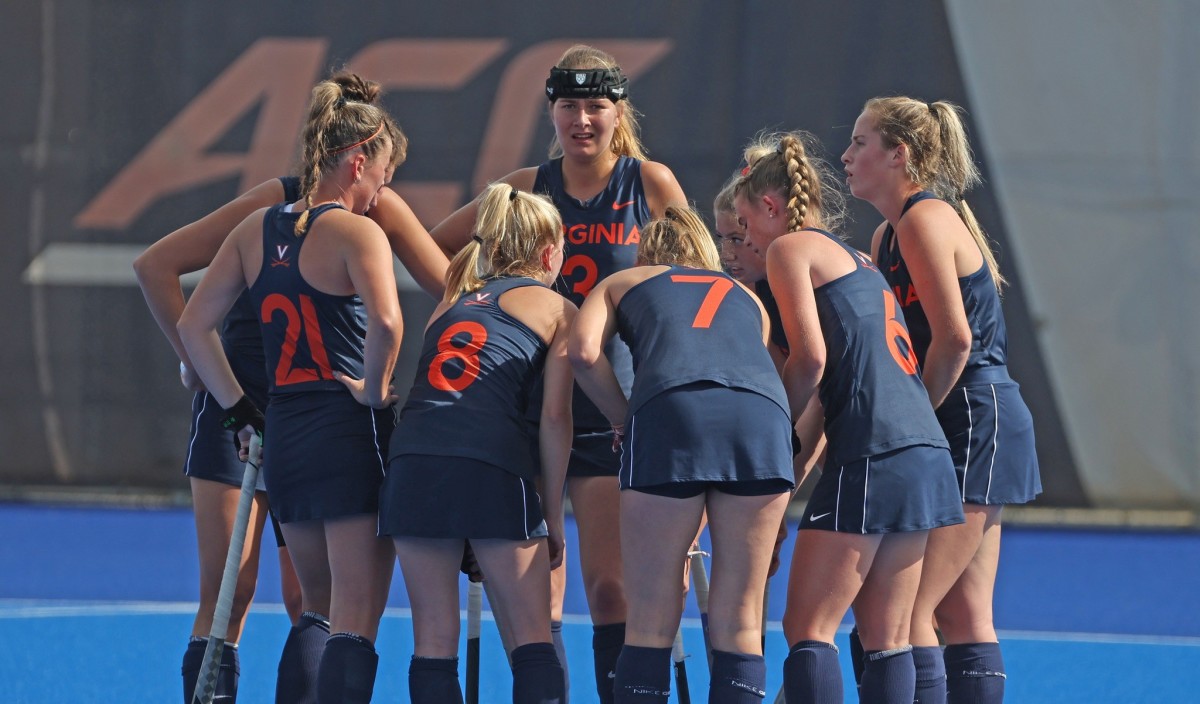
[468, 353]
[297, 321]
[590, 273]
[719, 287]
[895, 332]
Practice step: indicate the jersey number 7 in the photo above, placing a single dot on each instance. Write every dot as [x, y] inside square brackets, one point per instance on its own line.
[719, 287]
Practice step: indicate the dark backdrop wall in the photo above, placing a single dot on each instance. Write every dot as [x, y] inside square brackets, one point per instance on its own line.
[124, 121]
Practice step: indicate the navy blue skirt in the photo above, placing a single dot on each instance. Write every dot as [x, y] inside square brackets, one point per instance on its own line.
[707, 432]
[440, 496]
[903, 490]
[990, 431]
[324, 455]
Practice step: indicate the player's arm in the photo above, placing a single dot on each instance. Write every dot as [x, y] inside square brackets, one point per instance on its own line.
[555, 431]
[214, 296]
[369, 265]
[188, 249]
[411, 242]
[453, 233]
[661, 187]
[594, 327]
[927, 237]
[788, 268]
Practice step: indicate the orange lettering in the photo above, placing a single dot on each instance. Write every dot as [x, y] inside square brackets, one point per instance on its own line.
[278, 73]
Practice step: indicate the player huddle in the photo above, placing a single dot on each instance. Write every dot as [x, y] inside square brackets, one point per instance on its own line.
[592, 341]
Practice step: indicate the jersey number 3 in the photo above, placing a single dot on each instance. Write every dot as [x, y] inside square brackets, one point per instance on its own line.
[467, 353]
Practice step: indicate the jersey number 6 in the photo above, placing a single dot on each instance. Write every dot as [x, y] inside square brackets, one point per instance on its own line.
[895, 332]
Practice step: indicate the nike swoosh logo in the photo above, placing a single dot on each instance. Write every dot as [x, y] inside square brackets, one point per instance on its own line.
[618, 206]
[819, 516]
[894, 266]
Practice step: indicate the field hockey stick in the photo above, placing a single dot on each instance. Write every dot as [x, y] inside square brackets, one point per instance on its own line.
[474, 616]
[681, 681]
[700, 575]
[206, 683]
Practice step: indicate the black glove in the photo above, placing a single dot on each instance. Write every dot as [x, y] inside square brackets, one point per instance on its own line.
[243, 413]
[795, 444]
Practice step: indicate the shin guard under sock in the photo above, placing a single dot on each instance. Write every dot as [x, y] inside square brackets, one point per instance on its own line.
[434, 681]
[561, 650]
[889, 676]
[301, 659]
[858, 656]
[931, 674]
[606, 648]
[811, 673]
[537, 675]
[347, 671]
[227, 675]
[737, 678]
[643, 676]
[974, 673]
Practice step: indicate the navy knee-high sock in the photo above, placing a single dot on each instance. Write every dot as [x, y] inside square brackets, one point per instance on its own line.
[737, 678]
[974, 673]
[606, 648]
[298, 665]
[643, 676]
[434, 681]
[561, 650]
[889, 676]
[227, 675]
[537, 675]
[811, 673]
[931, 674]
[347, 671]
[858, 656]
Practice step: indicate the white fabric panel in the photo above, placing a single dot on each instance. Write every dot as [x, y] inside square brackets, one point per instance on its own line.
[1089, 114]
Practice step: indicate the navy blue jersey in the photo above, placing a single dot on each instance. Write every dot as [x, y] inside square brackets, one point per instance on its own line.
[687, 325]
[240, 333]
[981, 301]
[307, 334]
[871, 389]
[601, 238]
[778, 335]
[472, 389]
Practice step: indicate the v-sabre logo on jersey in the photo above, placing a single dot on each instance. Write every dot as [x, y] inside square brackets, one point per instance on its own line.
[480, 299]
[279, 260]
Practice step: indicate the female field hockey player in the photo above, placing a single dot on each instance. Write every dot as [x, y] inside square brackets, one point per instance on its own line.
[212, 468]
[912, 161]
[606, 191]
[705, 429]
[461, 463]
[851, 377]
[320, 278]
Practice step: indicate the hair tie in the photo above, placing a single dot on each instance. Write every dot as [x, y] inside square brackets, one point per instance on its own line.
[360, 142]
[478, 239]
[931, 110]
[512, 195]
[746, 170]
[340, 103]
